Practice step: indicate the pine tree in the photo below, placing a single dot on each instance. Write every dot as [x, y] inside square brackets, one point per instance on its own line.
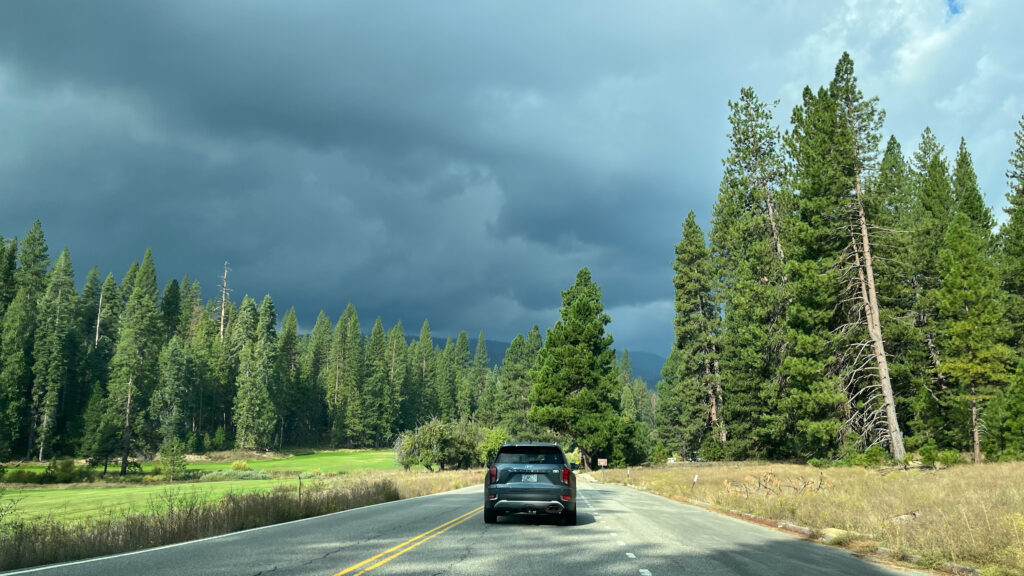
[694, 385]
[266, 356]
[749, 256]
[422, 398]
[336, 396]
[487, 408]
[971, 327]
[813, 398]
[574, 389]
[514, 386]
[170, 308]
[398, 376]
[134, 367]
[33, 262]
[254, 416]
[377, 393]
[167, 406]
[932, 210]
[100, 435]
[56, 344]
[128, 282]
[85, 329]
[15, 374]
[967, 194]
[445, 375]
[316, 373]
[353, 374]
[478, 369]
[1011, 239]
[465, 379]
[291, 400]
[8, 263]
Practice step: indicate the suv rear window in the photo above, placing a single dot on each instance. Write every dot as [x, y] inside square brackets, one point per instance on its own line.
[529, 455]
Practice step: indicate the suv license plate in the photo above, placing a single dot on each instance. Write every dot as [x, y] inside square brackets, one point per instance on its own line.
[529, 477]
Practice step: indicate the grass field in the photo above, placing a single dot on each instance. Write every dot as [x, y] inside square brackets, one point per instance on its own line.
[965, 515]
[327, 461]
[80, 501]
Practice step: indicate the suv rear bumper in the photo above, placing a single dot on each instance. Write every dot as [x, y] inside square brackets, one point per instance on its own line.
[535, 506]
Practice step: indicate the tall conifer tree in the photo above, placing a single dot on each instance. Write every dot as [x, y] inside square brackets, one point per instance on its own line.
[55, 351]
[1011, 238]
[749, 257]
[574, 386]
[134, 365]
[692, 388]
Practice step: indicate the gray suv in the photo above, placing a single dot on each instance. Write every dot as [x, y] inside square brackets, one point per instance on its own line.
[532, 478]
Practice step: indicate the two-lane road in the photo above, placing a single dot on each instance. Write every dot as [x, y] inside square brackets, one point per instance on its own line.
[620, 532]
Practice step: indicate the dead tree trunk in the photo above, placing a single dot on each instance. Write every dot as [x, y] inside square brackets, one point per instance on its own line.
[126, 434]
[975, 424]
[896, 447]
[99, 314]
[223, 301]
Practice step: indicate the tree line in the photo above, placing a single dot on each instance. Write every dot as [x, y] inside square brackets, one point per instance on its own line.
[846, 296]
[122, 368]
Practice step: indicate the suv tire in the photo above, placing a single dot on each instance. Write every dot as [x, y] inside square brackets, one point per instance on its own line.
[569, 518]
[490, 516]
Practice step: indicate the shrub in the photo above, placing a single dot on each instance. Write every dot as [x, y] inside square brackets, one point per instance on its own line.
[172, 454]
[488, 447]
[19, 476]
[63, 471]
[950, 458]
[194, 443]
[220, 439]
[406, 453]
[3, 470]
[240, 465]
[1008, 455]
[929, 454]
[448, 445]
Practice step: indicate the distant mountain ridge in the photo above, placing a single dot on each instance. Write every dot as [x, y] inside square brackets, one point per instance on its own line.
[646, 365]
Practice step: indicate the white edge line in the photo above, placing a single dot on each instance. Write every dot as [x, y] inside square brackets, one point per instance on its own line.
[218, 536]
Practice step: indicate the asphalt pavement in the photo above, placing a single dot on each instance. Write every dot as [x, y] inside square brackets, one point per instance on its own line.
[620, 532]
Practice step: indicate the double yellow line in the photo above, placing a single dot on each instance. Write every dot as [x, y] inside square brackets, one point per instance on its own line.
[404, 547]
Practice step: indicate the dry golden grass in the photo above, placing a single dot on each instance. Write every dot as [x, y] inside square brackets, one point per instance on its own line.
[967, 515]
[416, 483]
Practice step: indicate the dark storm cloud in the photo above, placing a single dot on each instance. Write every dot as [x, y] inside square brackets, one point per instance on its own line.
[454, 161]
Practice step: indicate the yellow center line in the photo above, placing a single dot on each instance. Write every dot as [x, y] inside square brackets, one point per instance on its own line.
[408, 544]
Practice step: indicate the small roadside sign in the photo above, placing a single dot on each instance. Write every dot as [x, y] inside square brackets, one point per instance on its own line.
[602, 462]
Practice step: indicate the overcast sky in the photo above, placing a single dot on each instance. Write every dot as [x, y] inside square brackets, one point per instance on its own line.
[455, 161]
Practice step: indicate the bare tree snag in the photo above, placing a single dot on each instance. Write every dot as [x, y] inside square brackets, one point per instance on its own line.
[126, 434]
[896, 447]
[223, 300]
[99, 314]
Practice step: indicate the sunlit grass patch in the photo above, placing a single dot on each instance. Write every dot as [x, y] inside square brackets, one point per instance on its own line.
[968, 515]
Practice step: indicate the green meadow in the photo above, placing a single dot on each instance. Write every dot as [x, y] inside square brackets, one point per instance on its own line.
[79, 501]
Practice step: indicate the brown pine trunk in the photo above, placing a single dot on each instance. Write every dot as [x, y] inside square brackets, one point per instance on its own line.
[975, 425]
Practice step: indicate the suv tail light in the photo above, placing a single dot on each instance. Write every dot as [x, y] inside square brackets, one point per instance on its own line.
[494, 474]
[565, 476]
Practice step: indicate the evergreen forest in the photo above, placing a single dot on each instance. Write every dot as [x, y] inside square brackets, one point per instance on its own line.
[846, 297]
